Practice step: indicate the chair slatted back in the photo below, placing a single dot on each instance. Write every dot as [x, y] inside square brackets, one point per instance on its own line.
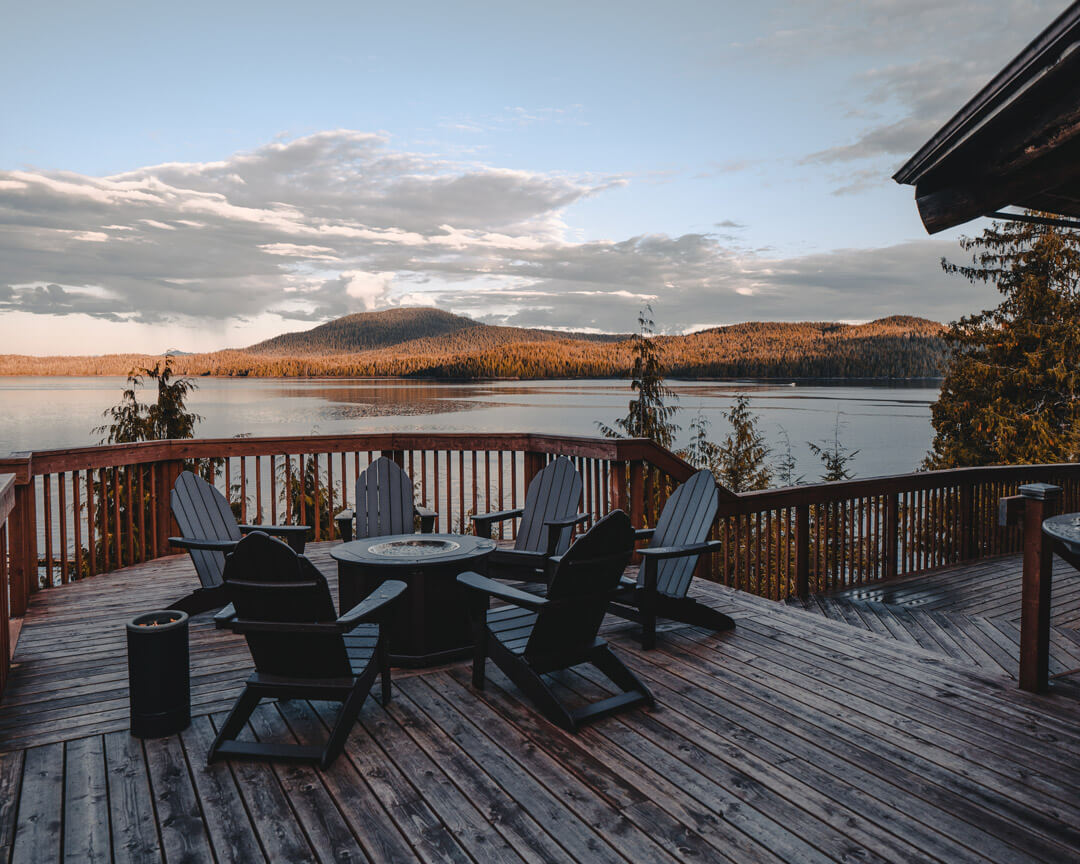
[686, 519]
[384, 500]
[554, 493]
[203, 513]
[266, 581]
[581, 587]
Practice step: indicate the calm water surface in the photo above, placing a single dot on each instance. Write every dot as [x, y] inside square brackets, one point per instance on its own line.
[888, 423]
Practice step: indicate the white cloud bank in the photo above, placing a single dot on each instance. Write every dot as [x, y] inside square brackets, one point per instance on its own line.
[339, 222]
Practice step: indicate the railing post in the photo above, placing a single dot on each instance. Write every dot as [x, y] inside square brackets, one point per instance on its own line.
[22, 544]
[1041, 501]
[802, 551]
[967, 521]
[637, 493]
[166, 473]
[618, 488]
[892, 544]
[534, 464]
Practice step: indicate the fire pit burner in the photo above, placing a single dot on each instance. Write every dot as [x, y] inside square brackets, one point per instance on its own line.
[418, 548]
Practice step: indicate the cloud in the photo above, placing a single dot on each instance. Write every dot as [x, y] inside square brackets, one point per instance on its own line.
[960, 45]
[340, 222]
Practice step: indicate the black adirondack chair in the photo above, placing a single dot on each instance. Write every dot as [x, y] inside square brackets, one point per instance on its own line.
[547, 523]
[678, 541]
[209, 531]
[302, 649]
[536, 635]
[384, 504]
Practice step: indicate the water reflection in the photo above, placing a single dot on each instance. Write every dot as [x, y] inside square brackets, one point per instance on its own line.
[889, 423]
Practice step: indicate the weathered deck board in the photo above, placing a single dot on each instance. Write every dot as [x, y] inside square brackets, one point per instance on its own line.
[987, 589]
[856, 730]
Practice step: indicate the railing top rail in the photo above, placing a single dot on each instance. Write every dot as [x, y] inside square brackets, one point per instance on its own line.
[792, 496]
[25, 464]
[7, 496]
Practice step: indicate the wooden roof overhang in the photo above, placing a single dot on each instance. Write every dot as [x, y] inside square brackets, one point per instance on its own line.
[1016, 143]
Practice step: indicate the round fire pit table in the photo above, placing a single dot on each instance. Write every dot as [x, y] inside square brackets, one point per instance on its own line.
[1065, 528]
[431, 626]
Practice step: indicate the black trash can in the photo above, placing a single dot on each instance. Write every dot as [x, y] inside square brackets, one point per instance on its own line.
[159, 681]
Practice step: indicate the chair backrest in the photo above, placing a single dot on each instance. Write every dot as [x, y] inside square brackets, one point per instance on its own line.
[580, 589]
[268, 582]
[686, 519]
[384, 500]
[554, 493]
[203, 513]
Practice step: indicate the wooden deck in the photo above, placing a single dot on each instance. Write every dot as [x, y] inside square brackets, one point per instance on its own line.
[970, 613]
[797, 737]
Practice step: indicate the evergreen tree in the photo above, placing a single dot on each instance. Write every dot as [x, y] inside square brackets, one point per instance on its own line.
[1011, 391]
[701, 452]
[786, 465]
[834, 455]
[649, 415]
[743, 456]
[168, 417]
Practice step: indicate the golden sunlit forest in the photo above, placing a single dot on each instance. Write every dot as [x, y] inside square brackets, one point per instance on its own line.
[428, 343]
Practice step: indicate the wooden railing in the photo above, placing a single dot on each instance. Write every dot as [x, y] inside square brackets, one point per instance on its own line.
[7, 506]
[90, 510]
[807, 539]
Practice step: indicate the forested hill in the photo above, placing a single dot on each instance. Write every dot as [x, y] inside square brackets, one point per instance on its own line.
[448, 346]
[367, 331]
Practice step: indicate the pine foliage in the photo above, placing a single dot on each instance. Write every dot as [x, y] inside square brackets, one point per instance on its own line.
[744, 455]
[1012, 391]
[650, 413]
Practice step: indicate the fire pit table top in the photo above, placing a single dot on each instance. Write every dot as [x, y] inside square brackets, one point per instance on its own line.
[1065, 528]
[410, 549]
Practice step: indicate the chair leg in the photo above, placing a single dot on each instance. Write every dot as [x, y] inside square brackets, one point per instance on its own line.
[238, 716]
[384, 668]
[479, 661]
[346, 718]
[533, 686]
[619, 675]
[648, 620]
[694, 613]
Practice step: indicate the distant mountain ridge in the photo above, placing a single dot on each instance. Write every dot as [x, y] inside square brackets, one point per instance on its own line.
[368, 331]
[430, 343]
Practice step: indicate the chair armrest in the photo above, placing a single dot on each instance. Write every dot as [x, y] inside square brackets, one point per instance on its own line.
[224, 617]
[209, 545]
[482, 522]
[427, 518]
[555, 527]
[569, 520]
[275, 529]
[644, 533]
[483, 585]
[373, 604]
[661, 552]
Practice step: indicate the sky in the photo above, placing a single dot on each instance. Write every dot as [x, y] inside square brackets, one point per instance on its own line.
[205, 175]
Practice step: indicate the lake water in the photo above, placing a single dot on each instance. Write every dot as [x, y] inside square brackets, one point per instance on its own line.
[888, 423]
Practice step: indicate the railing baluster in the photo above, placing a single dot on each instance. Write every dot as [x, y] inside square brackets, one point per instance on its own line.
[330, 495]
[48, 517]
[91, 545]
[62, 489]
[76, 509]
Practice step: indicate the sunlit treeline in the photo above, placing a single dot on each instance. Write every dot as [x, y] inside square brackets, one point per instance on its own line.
[896, 347]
